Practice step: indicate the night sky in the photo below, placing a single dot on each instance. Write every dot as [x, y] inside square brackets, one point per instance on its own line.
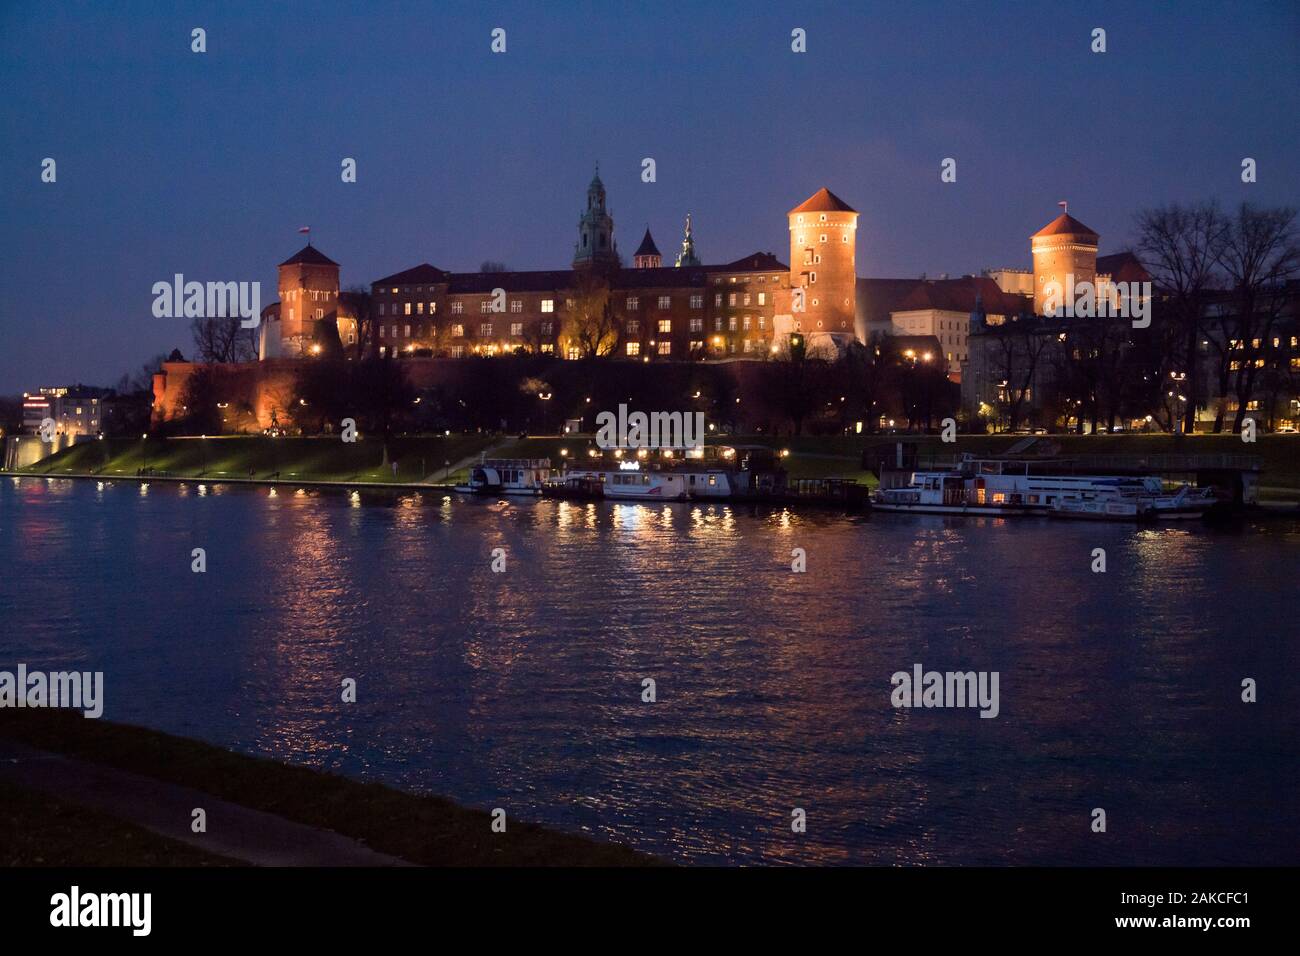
[207, 164]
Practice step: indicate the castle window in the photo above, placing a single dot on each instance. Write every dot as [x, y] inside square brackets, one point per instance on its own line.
[817, 259]
[433, 308]
[633, 348]
[548, 305]
[800, 239]
[458, 331]
[762, 298]
[665, 325]
[408, 309]
[749, 345]
[485, 305]
[823, 237]
[548, 328]
[393, 291]
[665, 302]
[812, 277]
[572, 353]
[697, 325]
[745, 324]
[798, 218]
[697, 345]
[762, 323]
[717, 324]
[320, 313]
[419, 308]
[516, 329]
[633, 327]
[717, 299]
[844, 238]
[516, 305]
[731, 299]
[381, 308]
[548, 348]
[457, 307]
[823, 218]
[697, 302]
[485, 329]
[807, 257]
[458, 351]
[633, 303]
[731, 323]
[746, 300]
[665, 348]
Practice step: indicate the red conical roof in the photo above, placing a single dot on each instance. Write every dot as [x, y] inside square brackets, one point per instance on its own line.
[1065, 225]
[823, 200]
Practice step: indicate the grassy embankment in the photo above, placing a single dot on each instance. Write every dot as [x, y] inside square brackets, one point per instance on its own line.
[421, 829]
[304, 459]
[329, 459]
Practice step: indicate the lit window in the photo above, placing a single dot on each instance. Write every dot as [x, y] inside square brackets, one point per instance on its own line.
[408, 309]
[665, 348]
[633, 348]
[516, 329]
[665, 325]
[665, 302]
[485, 329]
[458, 331]
[762, 298]
[717, 298]
[516, 305]
[457, 307]
[548, 305]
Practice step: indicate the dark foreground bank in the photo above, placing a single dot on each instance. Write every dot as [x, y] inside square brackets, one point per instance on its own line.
[69, 828]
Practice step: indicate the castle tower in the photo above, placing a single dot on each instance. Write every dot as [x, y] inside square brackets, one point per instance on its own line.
[1062, 248]
[687, 256]
[647, 254]
[595, 245]
[823, 251]
[309, 291]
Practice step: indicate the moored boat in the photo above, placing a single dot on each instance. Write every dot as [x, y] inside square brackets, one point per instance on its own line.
[507, 476]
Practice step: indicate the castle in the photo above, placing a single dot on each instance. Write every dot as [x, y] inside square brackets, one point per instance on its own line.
[745, 309]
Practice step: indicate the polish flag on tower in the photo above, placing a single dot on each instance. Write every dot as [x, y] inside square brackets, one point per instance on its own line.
[1065, 206]
[306, 231]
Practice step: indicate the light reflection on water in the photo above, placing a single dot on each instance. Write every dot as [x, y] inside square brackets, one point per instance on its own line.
[523, 689]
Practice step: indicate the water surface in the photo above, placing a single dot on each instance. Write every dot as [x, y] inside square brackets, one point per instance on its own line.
[523, 689]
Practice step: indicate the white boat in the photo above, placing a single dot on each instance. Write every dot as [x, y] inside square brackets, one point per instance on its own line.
[641, 485]
[1004, 487]
[508, 476]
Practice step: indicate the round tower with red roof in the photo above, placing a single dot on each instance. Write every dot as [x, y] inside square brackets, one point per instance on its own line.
[1064, 247]
[823, 249]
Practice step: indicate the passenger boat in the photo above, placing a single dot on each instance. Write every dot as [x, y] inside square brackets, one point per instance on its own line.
[1005, 487]
[507, 476]
[635, 484]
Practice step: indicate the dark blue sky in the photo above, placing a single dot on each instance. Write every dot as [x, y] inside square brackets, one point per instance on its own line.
[169, 161]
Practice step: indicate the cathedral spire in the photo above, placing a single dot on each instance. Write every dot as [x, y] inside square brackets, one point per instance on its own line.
[687, 256]
[595, 245]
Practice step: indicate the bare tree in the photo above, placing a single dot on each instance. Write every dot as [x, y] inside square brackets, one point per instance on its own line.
[1180, 246]
[223, 340]
[1259, 256]
[1021, 343]
[590, 326]
[357, 300]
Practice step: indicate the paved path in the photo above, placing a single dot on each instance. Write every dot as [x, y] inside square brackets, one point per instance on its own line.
[262, 839]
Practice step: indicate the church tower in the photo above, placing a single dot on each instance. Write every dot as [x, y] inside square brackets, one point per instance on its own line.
[647, 254]
[595, 245]
[823, 264]
[687, 256]
[309, 291]
[1064, 247]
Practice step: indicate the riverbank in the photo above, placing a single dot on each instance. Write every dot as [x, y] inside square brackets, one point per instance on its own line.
[440, 461]
[73, 828]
